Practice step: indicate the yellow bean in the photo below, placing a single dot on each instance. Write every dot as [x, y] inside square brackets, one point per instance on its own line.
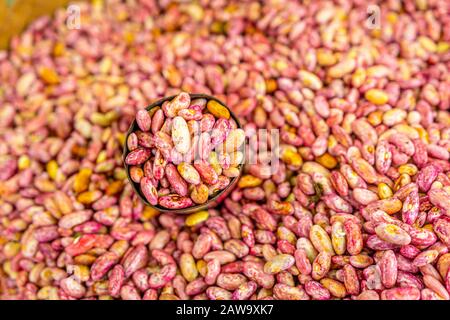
[249, 181]
[384, 191]
[376, 96]
[196, 218]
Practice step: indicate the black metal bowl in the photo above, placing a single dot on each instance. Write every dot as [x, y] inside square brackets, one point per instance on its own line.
[212, 202]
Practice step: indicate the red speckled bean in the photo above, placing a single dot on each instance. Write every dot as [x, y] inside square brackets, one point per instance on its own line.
[137, 156]
[351, 280]
[388, 268]
[317, 291]
[116, 280]
[245, 291]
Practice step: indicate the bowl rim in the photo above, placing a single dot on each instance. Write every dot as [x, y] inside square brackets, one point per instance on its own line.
[212, 202]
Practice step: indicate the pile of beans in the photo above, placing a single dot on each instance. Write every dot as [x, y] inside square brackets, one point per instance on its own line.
[184, 151]
[358, 206]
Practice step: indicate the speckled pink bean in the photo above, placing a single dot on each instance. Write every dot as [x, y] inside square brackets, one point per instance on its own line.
[248, 235]
[216, 243]
[351, 280]
[255, 194]
[410, 209]
[354, 237]
[72, 287]
[220, 131]
[196, 286]
[222, 256]
[206, 171]
[180, 102]
[176, 181]
[159, 166]
[160, 279]
[158, 242]
[145, 139]
[305, 183]
[230, 281]
[143, 120]
[207, 123]
[7, 169]
[431, 271]
[173, 201]
[409, 251]
[426, 177]
[285, 292]
[339, 183]
[143, 237]
[317, 291]
[201, 246]
[441, 199]
[321, 106]
[72, 219]
[364, 169]
[435, 285]
[392, 234]
[237, 247]
[116, 280]
[254, 271]
[303, 226]
[383, 157]
[428, 294]
[420, 156]
[442, 230]
[403, 143]
[46, 234]
[336, 203]
[132, 141]
[364, 196]
[137, 156]
[438, 152]
[319, 146]
[163, 141]
[372, 275]
[212, 271]
[360, 109]
[368, 295]
[157, 121]
[321, 265]
[149, 190]
[103, 264]
[140, 279]
[191, 113]
[406, 279]
[421, 236]
[128, 292]
[217, 293]
[219, 226]
[365, 131]
[406, 265]
[388, 268]
[425, 257]
[134, 260]
[352, 178]
[245, 291]
[408, 293]
[179, 285]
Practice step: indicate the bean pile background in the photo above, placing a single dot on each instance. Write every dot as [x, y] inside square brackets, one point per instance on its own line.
[358, 207]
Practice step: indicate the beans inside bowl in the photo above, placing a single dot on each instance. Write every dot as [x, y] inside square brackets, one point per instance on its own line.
[183, 153]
